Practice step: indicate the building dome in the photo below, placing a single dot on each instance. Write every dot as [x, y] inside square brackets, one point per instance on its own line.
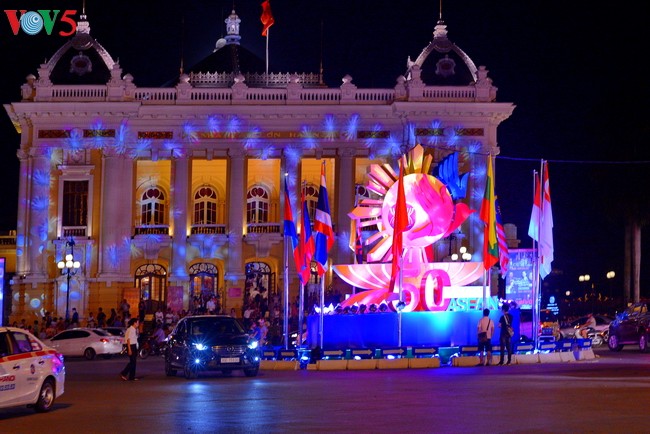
[81, 60]
[443, 63]
[229, 56]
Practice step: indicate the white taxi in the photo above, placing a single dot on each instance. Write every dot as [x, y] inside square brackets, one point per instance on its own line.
[31, 373]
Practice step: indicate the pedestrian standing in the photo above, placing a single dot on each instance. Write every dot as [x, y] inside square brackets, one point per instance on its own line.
[505, 338]
[101, 318]
[131, 339]
[485, 329]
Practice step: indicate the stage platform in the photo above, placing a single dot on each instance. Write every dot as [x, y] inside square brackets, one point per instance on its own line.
[380, 330]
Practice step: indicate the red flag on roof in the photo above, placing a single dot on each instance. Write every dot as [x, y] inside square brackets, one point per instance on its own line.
[267, 17]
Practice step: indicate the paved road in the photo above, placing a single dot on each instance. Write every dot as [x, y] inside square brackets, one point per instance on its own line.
[608, 394]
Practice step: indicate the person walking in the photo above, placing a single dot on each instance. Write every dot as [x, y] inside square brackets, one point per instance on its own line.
[485, 328]
[505, 337]
[131, 340]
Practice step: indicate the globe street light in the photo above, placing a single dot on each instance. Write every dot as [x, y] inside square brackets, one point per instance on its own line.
[464, 255]
[70, 266]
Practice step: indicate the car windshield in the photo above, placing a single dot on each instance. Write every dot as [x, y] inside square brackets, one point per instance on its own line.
[201, 326]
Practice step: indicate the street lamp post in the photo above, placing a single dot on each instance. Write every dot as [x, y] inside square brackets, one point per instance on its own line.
[70, 266]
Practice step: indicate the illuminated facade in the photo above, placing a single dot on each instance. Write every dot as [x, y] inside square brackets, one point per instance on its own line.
[174, 194]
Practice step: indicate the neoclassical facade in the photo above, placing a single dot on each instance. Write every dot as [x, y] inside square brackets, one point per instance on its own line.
[175, 194]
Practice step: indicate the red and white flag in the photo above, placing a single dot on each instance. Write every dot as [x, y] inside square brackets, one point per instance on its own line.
[541, 222]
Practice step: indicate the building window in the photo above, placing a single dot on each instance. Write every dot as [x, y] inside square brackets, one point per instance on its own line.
[205, 206]
[75, 203]
[311, 198]
[153, 207]
[257, 205]
[204, 279]
[151, 280]
[259, 285]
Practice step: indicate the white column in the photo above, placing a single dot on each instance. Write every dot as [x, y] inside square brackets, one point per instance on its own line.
[236, 216]
[116, 215]
[180, 204]
[22, 252]
[344, 200]
[39, 211]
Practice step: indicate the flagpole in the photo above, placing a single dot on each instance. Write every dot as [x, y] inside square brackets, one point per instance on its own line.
[285, 318]
[321, 319]
[268, 32]
[401, 302]
[301, 310]
[356, 234]
[536, 280]
[285, 321]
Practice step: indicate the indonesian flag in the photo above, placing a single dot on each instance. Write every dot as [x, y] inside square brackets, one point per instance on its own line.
[488, 215]
[267, 17]
[400, 223]
[541, 223]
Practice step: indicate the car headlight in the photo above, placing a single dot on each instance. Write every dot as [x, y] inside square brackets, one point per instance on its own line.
[199, 346]
[253, 344]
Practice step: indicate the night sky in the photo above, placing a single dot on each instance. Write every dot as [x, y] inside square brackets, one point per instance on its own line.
[574, 70]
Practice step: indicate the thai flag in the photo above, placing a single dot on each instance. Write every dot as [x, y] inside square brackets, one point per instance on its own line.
[323, 226]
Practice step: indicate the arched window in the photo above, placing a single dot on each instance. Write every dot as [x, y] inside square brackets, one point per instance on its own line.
[204, 280]
[205, 206]
[153, 207]
[311, 197]
[257, 205]
[260, 283]
[151, 280]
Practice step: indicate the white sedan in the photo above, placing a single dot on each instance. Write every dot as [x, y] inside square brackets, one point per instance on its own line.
[86, 342]
[31, 373]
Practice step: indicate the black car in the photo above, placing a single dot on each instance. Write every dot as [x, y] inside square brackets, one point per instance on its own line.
[211, 343]
[632, 326]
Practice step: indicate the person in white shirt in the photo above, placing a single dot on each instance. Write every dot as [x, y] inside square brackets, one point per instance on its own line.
[485, 329]
[131, 340]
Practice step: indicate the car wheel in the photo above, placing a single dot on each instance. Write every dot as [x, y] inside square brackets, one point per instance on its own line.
[45, 397]
[190, 371]
[169, 370]
[251, 372]
[612, 343]
[89, 354]
[643, 343]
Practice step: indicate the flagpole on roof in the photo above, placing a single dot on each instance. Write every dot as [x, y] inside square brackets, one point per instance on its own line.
[268, 32]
